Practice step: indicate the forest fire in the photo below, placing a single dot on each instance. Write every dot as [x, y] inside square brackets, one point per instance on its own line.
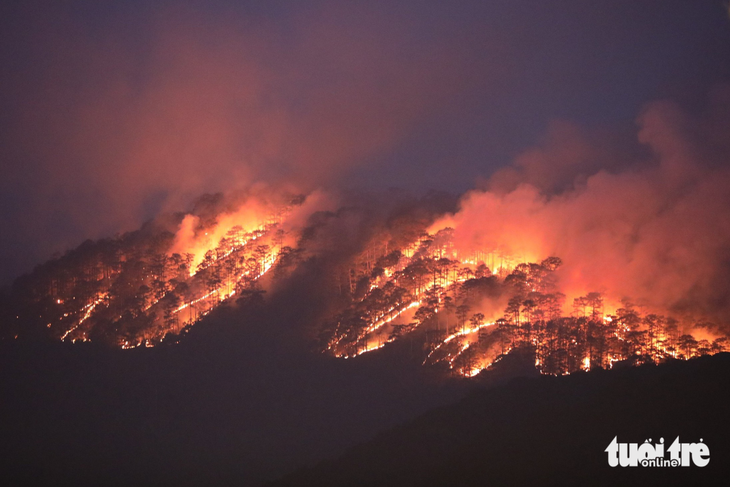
[466, 296]
[134, 290]
[468, 317]
[373, 244]
[578, 265]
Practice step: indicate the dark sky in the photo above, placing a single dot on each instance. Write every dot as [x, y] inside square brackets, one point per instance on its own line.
[110, 114]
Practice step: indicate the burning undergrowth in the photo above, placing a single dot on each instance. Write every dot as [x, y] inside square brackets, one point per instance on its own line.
[388, 276]
[138, 288]
[465, 316]
[583, 264]
[578, 264]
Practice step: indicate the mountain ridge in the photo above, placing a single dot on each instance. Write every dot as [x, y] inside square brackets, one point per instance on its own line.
[549, 431]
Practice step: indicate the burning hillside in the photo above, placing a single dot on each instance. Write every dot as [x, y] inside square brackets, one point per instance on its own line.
[400, 274]
[578, 266]
[466, 316]
[567, 255]
[138, 288]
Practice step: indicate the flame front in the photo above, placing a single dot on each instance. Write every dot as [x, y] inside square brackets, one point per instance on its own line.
[161, 287]
[468, 317]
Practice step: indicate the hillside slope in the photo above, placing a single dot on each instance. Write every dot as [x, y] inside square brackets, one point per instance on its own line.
[550, 431]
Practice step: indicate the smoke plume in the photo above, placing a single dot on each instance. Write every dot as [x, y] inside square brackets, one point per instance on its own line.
[655, 231]
[141, 112]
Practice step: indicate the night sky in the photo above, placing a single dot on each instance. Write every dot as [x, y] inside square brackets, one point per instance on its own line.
[110, 114]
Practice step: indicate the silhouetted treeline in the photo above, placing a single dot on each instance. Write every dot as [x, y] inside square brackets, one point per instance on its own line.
[135, 289]
[447, 301]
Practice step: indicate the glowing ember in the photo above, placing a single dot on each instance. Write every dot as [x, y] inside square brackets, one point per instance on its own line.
[450, 297]
[134, 290]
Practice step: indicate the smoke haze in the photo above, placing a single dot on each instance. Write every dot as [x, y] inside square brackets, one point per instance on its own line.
[655, 231]
[112, 114]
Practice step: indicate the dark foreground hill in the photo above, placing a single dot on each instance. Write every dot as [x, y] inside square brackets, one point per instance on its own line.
[241, 400]
[551, 431]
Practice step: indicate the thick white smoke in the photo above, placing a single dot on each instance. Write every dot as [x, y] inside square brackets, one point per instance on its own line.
[656, 232]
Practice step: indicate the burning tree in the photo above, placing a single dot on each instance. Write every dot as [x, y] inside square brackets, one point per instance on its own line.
[431, 290]
[139, 287]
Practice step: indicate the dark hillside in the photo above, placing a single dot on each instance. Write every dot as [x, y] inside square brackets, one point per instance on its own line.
[551, 431]
[241, 400]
